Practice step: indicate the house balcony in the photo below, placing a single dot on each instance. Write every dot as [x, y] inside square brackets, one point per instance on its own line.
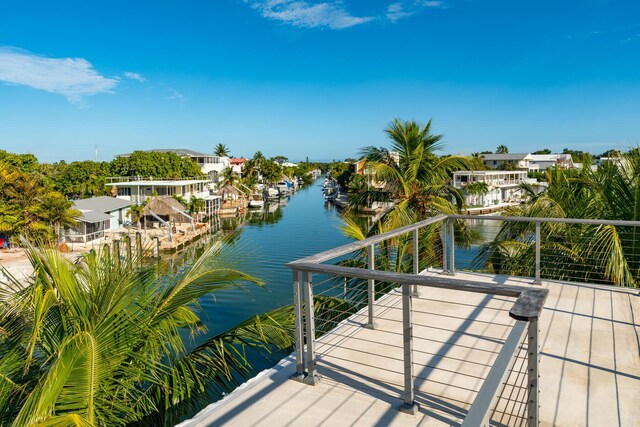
[439, 345]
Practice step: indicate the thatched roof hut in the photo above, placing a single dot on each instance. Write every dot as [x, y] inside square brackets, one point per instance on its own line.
[162, 206]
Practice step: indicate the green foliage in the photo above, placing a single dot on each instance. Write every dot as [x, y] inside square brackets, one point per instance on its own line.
[31, 208]
[27, 163]
[100, 342]
[221, 150]
[543, 151]
[79, 180]
[155, 164]
[502, 149]
[270, 171]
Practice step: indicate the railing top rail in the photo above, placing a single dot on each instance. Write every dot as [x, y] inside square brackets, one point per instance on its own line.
[528, 306]
[621, 223]
[354, 246]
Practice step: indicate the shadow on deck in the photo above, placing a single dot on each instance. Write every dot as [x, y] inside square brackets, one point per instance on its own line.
[589, 367]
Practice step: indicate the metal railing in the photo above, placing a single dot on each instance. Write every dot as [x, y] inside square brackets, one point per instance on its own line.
[354, 292]
[566, 249]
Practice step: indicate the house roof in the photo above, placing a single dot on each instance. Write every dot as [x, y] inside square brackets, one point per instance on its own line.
[183, 152]
[544, 157]
[93, 216]
[506, 156]
[101, 204]
[237, 160]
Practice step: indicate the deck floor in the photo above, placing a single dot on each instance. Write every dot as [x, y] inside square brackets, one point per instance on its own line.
[589, 367]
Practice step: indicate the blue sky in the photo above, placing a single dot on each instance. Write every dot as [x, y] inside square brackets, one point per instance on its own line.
[316, 78]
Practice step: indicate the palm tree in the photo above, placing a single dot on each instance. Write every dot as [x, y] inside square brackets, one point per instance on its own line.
[137, 212]
[196, 205]
[417, 180]
[502, 149]
[56, 210]
[479, 188]
[221, 150]
[100, 342]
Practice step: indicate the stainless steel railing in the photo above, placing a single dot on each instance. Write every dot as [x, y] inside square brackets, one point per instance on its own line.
[366, 283]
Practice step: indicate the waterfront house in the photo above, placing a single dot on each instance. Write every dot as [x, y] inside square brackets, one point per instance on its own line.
[139, 189]
[545, 161]
[98, 215]
[501, 186]
[514, 160]
[237, 164]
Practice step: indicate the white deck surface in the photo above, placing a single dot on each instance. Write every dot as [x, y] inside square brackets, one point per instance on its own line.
[590, 364]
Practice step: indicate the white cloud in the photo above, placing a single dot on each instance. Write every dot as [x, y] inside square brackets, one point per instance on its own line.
[309, 15]
[73, 78]
[432, 3]
[135, 76]
[403, 9]
[396, 11]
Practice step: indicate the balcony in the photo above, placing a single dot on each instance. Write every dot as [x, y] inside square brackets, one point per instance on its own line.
[439, 345]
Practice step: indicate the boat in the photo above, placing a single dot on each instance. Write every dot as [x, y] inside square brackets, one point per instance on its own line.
[256, 201]
[330, 193]
[284, 187]
[271, 194]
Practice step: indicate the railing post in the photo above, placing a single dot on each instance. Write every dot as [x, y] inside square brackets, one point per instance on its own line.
[416, 261]
[444, 238]
[371, 286]
[533, 405]
[537, 279]
[452, 249]
[409, 406]
[299, 328]
[312, 377]
[156, 248]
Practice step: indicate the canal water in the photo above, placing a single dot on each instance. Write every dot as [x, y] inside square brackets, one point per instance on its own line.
[262, 243]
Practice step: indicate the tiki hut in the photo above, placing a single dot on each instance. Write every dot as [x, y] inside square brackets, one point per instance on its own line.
[163, 207]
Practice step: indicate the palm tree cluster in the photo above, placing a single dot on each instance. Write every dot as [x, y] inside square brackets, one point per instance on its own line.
[100, 341]
[31, 208]
[594, 253]
[417, 181]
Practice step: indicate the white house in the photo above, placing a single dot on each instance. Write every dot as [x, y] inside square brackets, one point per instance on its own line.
[518, 160]
[137, 190]
[545, 161]
[99, 214]
[502, 186]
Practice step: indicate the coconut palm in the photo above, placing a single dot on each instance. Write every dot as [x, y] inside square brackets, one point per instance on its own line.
[196, 205]
[100, 342]
[479, 188]
[502, 149]
[136, 211]
[221, 150]
[418, 182]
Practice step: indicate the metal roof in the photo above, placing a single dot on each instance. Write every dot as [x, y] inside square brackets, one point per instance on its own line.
[101, 204]
[506, 156]
[179, 151]
[93, 216]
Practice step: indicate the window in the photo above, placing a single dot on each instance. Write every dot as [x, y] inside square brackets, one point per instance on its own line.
[124, 191]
